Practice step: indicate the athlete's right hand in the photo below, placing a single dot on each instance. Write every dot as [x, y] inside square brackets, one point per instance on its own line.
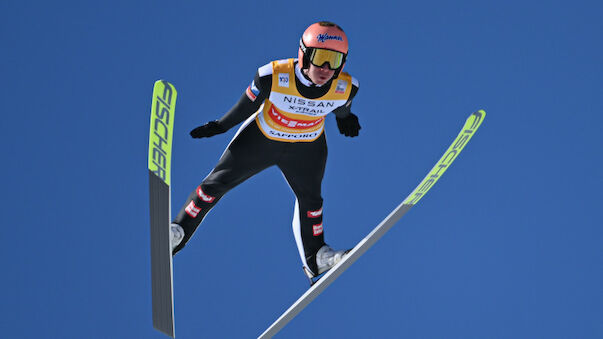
[208, 130]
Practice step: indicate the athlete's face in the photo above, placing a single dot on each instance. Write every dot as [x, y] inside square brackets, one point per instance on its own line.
[320, 75]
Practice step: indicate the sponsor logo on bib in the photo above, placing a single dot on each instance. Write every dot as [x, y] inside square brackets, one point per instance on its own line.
[283, 79]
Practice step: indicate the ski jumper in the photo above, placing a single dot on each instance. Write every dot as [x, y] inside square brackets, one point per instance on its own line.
[286, 130]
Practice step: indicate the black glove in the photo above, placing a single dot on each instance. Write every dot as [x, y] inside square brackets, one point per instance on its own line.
[349, 125]
[208, 130]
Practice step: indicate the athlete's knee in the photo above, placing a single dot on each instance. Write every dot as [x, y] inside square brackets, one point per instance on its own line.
[218, 183]
[310, 202]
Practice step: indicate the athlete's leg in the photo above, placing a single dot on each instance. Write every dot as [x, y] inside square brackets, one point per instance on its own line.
[248, 153]
[303, 166]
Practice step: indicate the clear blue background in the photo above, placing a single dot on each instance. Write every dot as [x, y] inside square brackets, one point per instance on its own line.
[507, 245]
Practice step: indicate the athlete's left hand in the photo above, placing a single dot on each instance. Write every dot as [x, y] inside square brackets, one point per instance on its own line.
[349, 125]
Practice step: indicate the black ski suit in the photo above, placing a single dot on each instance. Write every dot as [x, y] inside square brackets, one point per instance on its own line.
[251, 151]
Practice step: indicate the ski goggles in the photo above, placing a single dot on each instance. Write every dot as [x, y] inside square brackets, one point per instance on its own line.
[319, 56]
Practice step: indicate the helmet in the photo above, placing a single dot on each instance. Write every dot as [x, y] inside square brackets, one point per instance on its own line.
[323, 42]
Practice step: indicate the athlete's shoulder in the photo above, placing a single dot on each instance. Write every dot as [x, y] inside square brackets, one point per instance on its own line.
[352, 79]
[268, 69]
[261, 84]
[265, 70]
[347, 77]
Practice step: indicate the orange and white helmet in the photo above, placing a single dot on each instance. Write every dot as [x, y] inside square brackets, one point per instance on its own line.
[323, 42]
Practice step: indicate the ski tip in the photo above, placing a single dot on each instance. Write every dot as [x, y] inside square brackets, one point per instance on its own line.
[479, 112]
[475, 119]
[164, 83]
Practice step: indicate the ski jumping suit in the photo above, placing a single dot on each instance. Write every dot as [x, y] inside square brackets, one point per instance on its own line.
[284, 123]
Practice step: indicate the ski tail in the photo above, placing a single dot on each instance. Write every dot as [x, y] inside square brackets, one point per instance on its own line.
[159, 165]
[471, 125]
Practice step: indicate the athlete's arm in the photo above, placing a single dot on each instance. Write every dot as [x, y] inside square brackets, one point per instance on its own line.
[248, 103]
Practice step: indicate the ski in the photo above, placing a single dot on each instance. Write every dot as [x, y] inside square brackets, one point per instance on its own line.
[471, 125]
[160, 154]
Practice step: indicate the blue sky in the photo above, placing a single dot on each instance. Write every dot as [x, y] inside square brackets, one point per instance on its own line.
[506, 245]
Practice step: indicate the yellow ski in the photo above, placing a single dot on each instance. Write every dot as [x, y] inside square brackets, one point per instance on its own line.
[160, 155]
[471, 125]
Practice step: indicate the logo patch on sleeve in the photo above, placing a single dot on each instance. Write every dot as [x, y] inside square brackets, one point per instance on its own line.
[317, 229]
[252, 91]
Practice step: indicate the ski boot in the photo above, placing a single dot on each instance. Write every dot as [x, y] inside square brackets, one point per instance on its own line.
[176, 235]
[326, 258]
